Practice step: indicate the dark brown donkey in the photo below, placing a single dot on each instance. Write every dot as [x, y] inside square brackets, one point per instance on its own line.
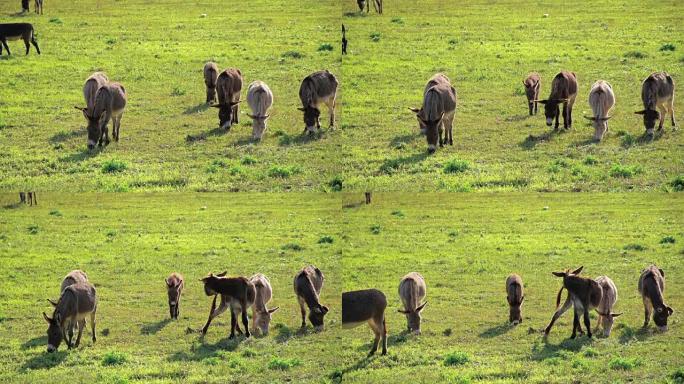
[367, 305]
[16, 31]
[651, 287]
[532, 86]
[228, 85]
[76, 302]
[584, 294]
[515, 297]
[39, 6]
[174, 288]
[563, 91]
[307, 286]
[236, 292]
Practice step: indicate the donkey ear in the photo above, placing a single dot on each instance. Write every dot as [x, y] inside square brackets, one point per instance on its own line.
[670, 311]
[167, 282]
[405, 312]
[414, 110]
[524, 83]
[592, 118]
[662, 273]
[559, 274]
[578, 270]
[216, 105]
[542, 101]
[222, 274]
[642, 112]
[615, 314]
[323, 309]
[49, 320]
[522, 299]
[273, 309]
[302, 109]
[421, 307]
[251, 116]
[180, 282]
[232, 104]
[52, 302]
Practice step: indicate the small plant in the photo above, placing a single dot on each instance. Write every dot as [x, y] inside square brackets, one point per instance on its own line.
[33, 229]
[667, 240]
[114, 358]
[667, 47]
[625, 171]
[282, 172]
[56, 20]
[211, 360]
[248, 160]
[292, 247]
[590, 352]
[456, 358]
[678, 184]
[678, 376]
[628, 140]
[178, 91]
[111, 41]
[590, 160]
[293, 55]
[390, 166]
[277, 363]
[624, 364]
[456, 166]
[375, 229]
[634, 247]
[336, 183]
[56, 213]
[398, 20]
[636, 55]
[325, 47]
[375, 37]
[236, 170]
[325, 240]
[113, 166]
[398, 213]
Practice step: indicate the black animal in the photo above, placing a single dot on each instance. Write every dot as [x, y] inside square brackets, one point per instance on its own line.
[39, 7]
[16, 31]
[344, 41]
[24, 5]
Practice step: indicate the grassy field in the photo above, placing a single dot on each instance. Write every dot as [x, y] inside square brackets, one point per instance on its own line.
[128, 244]
[466, 245]
[169, 138]
[487, 48]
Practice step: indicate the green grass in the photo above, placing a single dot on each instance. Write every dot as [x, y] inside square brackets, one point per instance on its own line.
[389, 63]
[465, 245]
[168, 135]
[128, 244]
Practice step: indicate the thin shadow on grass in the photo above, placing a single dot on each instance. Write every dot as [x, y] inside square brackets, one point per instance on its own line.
[549, 351]
[207, 350]
[648, 139]
[197, 108]
[245, 141]
[218, 131]
[392, 341]
[285, 140]
[64, 136]
[390, 165]
[44, 361]
[531, 141]
[11, 206]
[629, 334]
[286, 333]
[81, 155]
[153, 328]
[403, 139]
[497, 330]
[18, 14]
[35, 342]
[338, 375]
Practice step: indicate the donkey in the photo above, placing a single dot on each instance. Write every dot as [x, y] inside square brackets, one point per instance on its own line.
[412, 291]
[211, 73]
[307, 286]
[236, 292]
[366, 306]
[437, 112]
[174, 289]
[229, 85]
[563, 91]
[261, 315]
[74, 277]
[605, 308]
[92, 84]
[657, 92]
[515, 296]
[584, 294]
[344, 40]
[368, 195]
[651, 287]
[39, 6]
[110, 102]
[532, 85]
[377, 4]
[75, 303]
[601, 100]
[317, 88]
[32, 198]
[260, 99]
[16, 31]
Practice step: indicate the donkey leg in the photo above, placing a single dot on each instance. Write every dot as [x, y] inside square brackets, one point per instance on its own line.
[384, 335]
[80, 332]
[559, 312]
[663, 111]
[27, 44]
[671, 108]
[233, 324]
[214, 312]
[303, 311]
[377, 332]
[4, 43]
[575, 324]
[587, 323]
[647, 312]
[245, 322]
[331, 111]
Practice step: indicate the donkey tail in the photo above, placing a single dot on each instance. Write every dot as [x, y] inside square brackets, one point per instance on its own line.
[558, 297]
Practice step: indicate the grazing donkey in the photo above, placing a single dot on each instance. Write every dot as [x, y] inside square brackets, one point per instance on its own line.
[92, 84]
[651, 287]
[601, 100]
[605, 308]
[317, 88]
[211, 73]
[438, 111]
[515, 296]
[532, 86]
[377, 4]
[75, 303]
[563, 91]
[74, 277]
[229, 85]
[412, 290]
[657, 92]
[344, 40]
[369, 306]
[307, 286]
[174, 289]
[25, 6]
[32, 198]
[261, 315]
[260, 99]
[110, 102]
[16, 31]
[584, 294]
[39, 6]
[368, 195]
[238, 293]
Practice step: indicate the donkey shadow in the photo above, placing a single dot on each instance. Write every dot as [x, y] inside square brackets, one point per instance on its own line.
[629, 334]
[286, 333]
[82, 155]
[496, 330]
[218, 131]
[402, 139]
[65, 136]
[392, 340]
[44, 360]
[531, 141]
[153, 328]
[196, 109]
[205, 350]
[36, 341]
[549, 350]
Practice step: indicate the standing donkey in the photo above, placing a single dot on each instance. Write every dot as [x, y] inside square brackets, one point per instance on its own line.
[229, 85]
[16, 31]
[515, 296]
[238, 293]
[307, 286]
[76, 302]
[261, 315]
[211, 73]
[657, 93]
[174, 289]
[563, 91]
[438, 111]
[260, 99]
[412, 291]
[584, 294]
[74, 277]
[317, 88]
[92, 84]
[601, 100]
[367, 305]
[532, 86]
[110, 102]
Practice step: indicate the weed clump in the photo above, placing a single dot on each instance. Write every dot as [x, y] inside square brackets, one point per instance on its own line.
[456, 358]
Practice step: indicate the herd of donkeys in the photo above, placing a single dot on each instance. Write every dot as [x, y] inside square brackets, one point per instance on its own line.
[78, 300]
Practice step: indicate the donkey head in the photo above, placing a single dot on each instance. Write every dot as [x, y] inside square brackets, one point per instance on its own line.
[607, 322]
[515, 312]
[413, 318]
[262, 320]
[660, 316]
[54, 331]
[568, 273]
[600, 125]
[210, 283]
[95, 125]
[551, 109]
[650, 117]
[311, 118]
[316, 316]
[258, 125]
[225, 113]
